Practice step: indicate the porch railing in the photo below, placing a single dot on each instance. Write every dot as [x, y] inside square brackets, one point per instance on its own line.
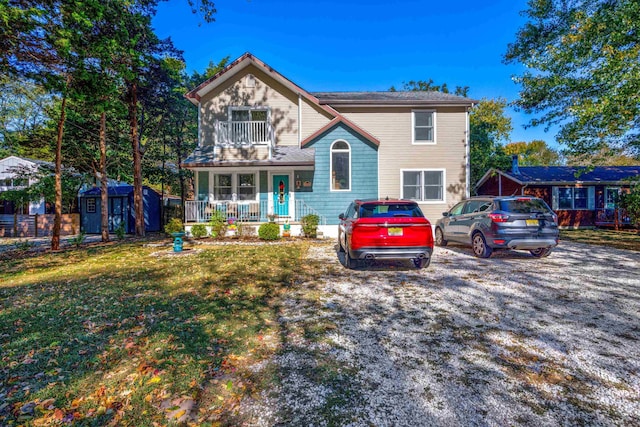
[243, 132]
[612, 216]
[302, 209]
[201, 211]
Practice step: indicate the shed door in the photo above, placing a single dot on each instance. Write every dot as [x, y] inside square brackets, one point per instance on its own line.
[116, 213]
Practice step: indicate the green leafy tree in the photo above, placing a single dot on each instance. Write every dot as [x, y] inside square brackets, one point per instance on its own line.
[631, 202]
[534, 153]
[489, 126]
[583, 72]
[429, 86]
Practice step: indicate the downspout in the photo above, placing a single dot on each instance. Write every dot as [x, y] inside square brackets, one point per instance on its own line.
[199, 115]
[499, 184]
[299, 120]
[468, 154]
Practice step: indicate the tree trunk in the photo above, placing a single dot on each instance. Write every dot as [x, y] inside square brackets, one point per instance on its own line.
[57, 218]
[137, 162]
[104, 184]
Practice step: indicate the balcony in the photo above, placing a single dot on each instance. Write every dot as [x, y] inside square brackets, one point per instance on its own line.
[242, 133]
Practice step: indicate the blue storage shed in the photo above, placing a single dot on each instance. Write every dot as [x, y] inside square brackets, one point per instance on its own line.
[121, 209]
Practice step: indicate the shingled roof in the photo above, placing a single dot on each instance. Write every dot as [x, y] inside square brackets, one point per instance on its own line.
[281, 156]
[404, 98]
[554, 175]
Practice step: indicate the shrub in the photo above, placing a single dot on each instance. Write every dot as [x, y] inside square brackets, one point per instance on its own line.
[174, 226]
[310, 225]
[269, 231]
[631, 202]
[78, 240]
[198, 231]
[218, 224]
[120, 231]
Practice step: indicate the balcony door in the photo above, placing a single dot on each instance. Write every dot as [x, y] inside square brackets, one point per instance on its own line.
[248, 125]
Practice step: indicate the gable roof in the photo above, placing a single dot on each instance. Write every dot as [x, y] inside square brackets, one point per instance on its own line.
[340, 119]
[554, 175]
[392, 98]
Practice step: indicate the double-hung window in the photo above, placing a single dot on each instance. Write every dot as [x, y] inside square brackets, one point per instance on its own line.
[423, 185]
[246, 186]
[424, 127]
[573, 198]
[222, 186]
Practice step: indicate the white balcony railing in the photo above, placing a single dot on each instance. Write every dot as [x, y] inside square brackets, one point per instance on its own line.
[243, 133]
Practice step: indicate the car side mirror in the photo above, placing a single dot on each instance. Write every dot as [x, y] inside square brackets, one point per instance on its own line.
[341, 216]
[445, 214]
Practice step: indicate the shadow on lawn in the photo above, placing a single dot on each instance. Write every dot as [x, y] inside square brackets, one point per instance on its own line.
[122, 337]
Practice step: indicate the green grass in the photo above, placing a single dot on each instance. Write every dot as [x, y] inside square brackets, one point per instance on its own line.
[615, 239]
[110, 335]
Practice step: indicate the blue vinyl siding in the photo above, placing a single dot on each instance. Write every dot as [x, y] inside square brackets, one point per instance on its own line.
[364, 173]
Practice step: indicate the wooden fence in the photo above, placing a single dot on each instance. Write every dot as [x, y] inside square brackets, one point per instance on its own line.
[37, 225]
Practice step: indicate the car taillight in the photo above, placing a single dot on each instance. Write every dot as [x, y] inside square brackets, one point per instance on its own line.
[496, 217]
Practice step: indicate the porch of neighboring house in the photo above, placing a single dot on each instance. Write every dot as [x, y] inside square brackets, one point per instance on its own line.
[614, 217]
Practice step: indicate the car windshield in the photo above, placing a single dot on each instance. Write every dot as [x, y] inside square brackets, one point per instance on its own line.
[390, 210]
[524, 206]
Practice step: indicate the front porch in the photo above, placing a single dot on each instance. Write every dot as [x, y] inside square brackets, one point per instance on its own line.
[200, 211]
[616, 217]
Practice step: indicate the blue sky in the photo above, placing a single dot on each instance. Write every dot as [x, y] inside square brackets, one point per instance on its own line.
[359, 45]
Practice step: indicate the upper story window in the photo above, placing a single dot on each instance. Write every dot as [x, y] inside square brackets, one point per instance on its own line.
[424, 127]
[340, 166]
[573, 198]
[423, 185]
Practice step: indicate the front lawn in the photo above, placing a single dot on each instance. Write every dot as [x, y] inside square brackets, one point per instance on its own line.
[131, 335]
[604, 237]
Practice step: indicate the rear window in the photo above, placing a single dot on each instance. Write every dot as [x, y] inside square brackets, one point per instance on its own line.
[390, 211]
[524, 206]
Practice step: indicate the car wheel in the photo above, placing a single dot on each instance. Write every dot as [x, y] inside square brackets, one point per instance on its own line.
[540, 252]
[349, 262]
[479, 246]
[421, 263]
[440, 240]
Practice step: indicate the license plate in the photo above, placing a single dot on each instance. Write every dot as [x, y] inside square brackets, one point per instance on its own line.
[532, 222]
[394, 231]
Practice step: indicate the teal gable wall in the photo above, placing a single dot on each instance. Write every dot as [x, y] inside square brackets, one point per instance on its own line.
[364, 174]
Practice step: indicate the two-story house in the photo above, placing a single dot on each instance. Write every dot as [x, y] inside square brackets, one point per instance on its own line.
[11, 179]
[268, 147]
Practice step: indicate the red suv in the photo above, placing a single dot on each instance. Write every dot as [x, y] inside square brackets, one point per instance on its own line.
[385, 229]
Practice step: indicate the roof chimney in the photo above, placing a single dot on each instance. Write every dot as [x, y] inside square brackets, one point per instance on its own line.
[514, 165]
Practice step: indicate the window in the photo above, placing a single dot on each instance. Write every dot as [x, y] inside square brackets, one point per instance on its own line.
[222, 188]
[246, 186]
[423, 185]
[340, 166]
[203, 185]
[424, 129]
[573, 198]
[91, 205]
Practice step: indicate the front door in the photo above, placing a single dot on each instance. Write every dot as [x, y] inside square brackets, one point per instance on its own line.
[281, 195]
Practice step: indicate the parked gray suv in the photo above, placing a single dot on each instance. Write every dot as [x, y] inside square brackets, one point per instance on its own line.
[490, 223]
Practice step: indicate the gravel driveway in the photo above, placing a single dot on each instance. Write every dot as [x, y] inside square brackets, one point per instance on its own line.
[510, 340]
